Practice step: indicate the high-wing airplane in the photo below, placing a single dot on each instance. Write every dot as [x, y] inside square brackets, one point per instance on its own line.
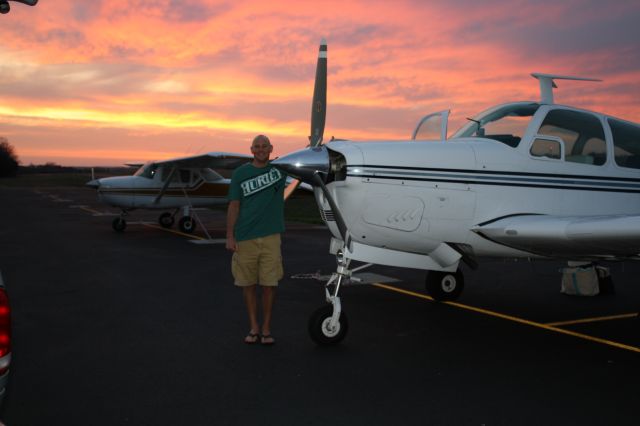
[5, 7]
[179, 183]
[530, 179]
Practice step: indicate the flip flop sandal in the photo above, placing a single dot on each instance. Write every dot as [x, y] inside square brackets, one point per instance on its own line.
[251, 338]
[264, 341]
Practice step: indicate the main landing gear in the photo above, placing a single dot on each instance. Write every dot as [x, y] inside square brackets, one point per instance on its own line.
[167, 219]
[443, 286]
[329, 325]
[186, 223]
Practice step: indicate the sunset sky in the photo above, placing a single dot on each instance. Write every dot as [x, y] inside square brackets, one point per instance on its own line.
[107, 82]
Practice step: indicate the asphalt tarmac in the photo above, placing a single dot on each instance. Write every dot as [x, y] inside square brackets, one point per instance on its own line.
[146, 328]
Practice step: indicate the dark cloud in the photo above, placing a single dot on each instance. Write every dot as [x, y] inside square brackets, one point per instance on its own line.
[357, 35]
[62, 37]
[175, 10]
[546, 30]
[85, 11]
[194, 10]
[121, 52]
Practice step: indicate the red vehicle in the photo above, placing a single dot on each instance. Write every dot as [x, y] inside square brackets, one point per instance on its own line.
[5, 338]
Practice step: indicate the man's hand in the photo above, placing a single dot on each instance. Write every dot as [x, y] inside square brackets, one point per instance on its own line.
[232, 245]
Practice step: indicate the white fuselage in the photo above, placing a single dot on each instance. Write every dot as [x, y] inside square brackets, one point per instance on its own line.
[132, 192]
[412, 196]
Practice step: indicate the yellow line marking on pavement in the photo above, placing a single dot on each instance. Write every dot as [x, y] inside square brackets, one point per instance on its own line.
[594, 319]
[514, 319]
[172, 231]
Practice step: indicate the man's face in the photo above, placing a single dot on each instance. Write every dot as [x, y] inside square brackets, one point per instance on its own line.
[261, 150]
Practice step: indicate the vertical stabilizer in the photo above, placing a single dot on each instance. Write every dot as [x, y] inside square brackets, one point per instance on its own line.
[547, 84]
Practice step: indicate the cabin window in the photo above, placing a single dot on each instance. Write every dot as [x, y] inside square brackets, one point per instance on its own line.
[547, 148]
[626, 143]
[581, 133]
[504, 123]
[179, 176]
[185, 176]
[147, 171]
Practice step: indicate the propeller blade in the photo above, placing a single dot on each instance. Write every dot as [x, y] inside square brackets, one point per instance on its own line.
[342, 226]
[27, 2]
[319, 104]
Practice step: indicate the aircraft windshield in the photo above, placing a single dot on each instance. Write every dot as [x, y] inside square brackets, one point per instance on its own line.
[504, 123]
[147, 171]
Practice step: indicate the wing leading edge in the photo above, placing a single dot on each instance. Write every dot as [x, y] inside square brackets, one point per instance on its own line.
[575, 237]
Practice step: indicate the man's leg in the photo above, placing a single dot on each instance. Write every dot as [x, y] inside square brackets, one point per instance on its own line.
[251, 300]
[268, 297]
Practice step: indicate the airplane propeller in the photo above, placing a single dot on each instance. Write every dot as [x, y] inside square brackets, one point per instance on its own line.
[311, 165]
[318, 108]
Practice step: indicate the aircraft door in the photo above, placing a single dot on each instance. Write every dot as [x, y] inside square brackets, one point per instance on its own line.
[432, 127]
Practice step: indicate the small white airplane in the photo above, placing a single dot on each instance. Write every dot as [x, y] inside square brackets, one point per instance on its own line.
[531, 179]
[179, 183]
[5, 7]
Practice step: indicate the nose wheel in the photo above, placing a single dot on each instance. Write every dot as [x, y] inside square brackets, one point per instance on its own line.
[321, 330]
[119, 224]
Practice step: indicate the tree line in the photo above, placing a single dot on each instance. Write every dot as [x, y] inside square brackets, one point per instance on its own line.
[8, 159]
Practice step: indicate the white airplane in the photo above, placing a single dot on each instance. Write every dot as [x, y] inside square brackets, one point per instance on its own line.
[534, 180]
[5, 7]
[179, 183]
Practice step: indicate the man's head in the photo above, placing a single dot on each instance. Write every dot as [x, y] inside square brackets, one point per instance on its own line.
[261, 149]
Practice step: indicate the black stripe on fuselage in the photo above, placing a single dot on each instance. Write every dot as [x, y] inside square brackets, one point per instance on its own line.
[605, 184]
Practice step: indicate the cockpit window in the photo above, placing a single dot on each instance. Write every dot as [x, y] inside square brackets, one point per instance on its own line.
[504, 123]
[147, 171]
[581, 133]
[626, 143]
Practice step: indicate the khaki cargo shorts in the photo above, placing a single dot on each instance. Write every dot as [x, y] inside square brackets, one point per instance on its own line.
[258, 261]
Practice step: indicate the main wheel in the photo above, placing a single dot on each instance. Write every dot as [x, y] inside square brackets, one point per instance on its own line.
[187, 224]
[119, 224]
[166, 220]
[319, 327]
[444, 286]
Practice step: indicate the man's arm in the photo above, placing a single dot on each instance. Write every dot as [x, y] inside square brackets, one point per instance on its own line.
[290, 188]
[232, 216]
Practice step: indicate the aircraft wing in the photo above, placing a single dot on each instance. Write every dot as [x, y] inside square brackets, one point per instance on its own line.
[213, 160]
[575, 237]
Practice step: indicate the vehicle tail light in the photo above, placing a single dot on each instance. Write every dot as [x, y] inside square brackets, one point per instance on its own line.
[5, 329]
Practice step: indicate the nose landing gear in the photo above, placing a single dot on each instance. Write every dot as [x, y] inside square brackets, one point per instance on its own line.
[329, 325]
[119, 223]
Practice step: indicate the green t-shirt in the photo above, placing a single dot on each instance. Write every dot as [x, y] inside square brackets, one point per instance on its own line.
[261, 195]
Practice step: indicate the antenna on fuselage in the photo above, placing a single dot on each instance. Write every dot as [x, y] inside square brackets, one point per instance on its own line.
[547, 84]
